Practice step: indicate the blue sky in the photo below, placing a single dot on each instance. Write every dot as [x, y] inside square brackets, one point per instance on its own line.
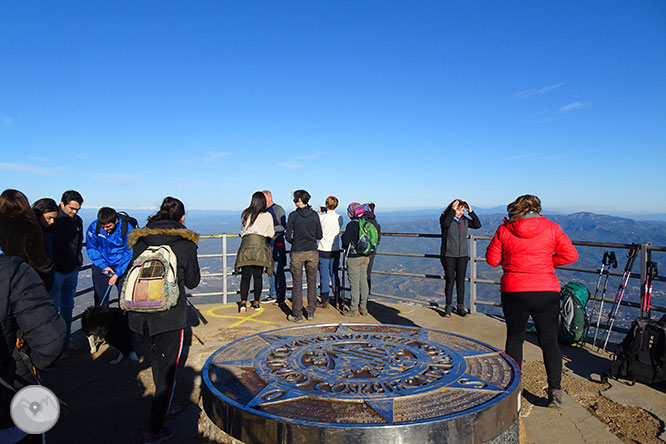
[407, 104]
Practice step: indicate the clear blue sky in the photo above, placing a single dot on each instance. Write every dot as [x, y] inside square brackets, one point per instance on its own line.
[408, 104]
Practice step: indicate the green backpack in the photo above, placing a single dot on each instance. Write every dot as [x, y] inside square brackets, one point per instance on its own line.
[574, 321]
[368, 238]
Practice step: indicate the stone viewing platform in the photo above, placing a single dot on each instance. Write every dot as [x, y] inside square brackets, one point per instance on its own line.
[101, 397]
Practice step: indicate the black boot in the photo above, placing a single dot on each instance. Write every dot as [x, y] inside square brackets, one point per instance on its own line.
[461, 310]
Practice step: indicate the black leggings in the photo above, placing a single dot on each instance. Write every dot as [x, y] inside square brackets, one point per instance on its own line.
[544, 307]
[455, 269]
[246, 273]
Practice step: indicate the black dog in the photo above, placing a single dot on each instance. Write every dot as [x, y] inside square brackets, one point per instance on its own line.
[108, 325]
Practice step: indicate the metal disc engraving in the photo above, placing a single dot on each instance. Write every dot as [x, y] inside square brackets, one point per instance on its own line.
[360, 383]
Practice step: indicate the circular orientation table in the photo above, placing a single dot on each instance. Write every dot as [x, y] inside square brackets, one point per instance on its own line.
[362, 383]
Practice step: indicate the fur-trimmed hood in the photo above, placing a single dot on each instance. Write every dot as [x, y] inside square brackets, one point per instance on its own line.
[139, 233]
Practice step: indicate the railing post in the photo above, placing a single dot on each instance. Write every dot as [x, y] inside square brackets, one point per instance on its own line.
[645, 258]
[472, 274]
[225, 274]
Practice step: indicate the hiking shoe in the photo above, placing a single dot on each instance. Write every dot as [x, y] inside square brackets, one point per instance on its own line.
[323, 303]
[311, 315]
[555, 398]
[363, 311]
[295, 319]
[461, 311]
[256, 306]
[161, 436]
[270, 300]
[243, 307]
[351, 313]
[447, 311]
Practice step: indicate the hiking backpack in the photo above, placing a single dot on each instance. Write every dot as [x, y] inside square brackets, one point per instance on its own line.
[574, 321]
[124, 227]
[151, 283]
[641, 356]
[368, 238]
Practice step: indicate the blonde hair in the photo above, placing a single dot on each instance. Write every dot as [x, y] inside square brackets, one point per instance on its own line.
[331, 202]
[527, 203]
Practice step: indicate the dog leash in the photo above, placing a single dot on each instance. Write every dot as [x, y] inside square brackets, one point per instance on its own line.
[106, 293]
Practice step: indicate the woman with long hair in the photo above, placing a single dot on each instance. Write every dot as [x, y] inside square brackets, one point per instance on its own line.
[46, 210]
[529, 247]
[163, 331]
[21, 234]
[254, 254]
[454, 252]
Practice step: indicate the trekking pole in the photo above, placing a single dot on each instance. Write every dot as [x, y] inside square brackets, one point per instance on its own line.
[652, 273]
[608, 261]
[631, 256]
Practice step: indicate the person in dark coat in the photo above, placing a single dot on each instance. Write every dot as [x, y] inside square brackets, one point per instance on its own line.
[454, 253]
[163, 331]
[21, 234]
[46, 210]
[67, 245]
[369, 215]
[303, 232]
[24, 305]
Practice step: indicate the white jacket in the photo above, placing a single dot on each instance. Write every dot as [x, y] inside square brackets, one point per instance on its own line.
[331, 222]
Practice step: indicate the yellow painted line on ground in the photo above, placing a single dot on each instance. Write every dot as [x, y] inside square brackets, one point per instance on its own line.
[241, 318]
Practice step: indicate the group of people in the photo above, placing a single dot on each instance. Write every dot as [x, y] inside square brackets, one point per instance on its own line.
[42, 246]
[314, 236]
[42, 254]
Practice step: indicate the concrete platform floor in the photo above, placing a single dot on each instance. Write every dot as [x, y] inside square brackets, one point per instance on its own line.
[571, 424]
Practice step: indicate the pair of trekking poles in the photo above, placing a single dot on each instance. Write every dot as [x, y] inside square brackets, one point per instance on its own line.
[652, 273]
[610, 261]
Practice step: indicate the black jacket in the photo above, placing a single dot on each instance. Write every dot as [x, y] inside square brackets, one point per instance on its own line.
[454, 234]
[303, 229]
[350, 236]
[183, 242]
[67, 242]
[25, 305]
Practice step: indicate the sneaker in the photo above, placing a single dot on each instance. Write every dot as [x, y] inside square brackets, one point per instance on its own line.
[555, 398]
[311, 315]
[323, 303]
[351, 313]
[447, 311]
[461, 311]
[243, 307]
[161, 436]
[270, 300]
[363, 311]
[256, 305]
[295, 319]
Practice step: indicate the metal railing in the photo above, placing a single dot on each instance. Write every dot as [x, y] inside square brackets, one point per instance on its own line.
[645, 255]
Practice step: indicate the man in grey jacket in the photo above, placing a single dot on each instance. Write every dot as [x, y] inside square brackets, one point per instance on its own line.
[303, 232]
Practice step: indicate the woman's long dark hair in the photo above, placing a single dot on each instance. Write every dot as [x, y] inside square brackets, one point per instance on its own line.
[44, 205]
[171, 209]
[257, 206]
[14, 203]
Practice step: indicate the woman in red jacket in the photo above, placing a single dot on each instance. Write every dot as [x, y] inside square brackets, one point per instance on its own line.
[529, 247]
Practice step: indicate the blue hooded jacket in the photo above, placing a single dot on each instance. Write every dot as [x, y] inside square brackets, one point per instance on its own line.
[109, 250]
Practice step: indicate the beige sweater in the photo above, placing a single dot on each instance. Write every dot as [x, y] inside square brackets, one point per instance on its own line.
[262, 226]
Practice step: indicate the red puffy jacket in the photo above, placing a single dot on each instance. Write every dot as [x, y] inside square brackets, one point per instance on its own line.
[529, 249]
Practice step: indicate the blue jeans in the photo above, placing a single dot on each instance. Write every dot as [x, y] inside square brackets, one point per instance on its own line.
[62, 293]
[328, 273]
[278, 283]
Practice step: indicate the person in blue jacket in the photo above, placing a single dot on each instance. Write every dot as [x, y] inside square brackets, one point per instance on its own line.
[106, 244]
